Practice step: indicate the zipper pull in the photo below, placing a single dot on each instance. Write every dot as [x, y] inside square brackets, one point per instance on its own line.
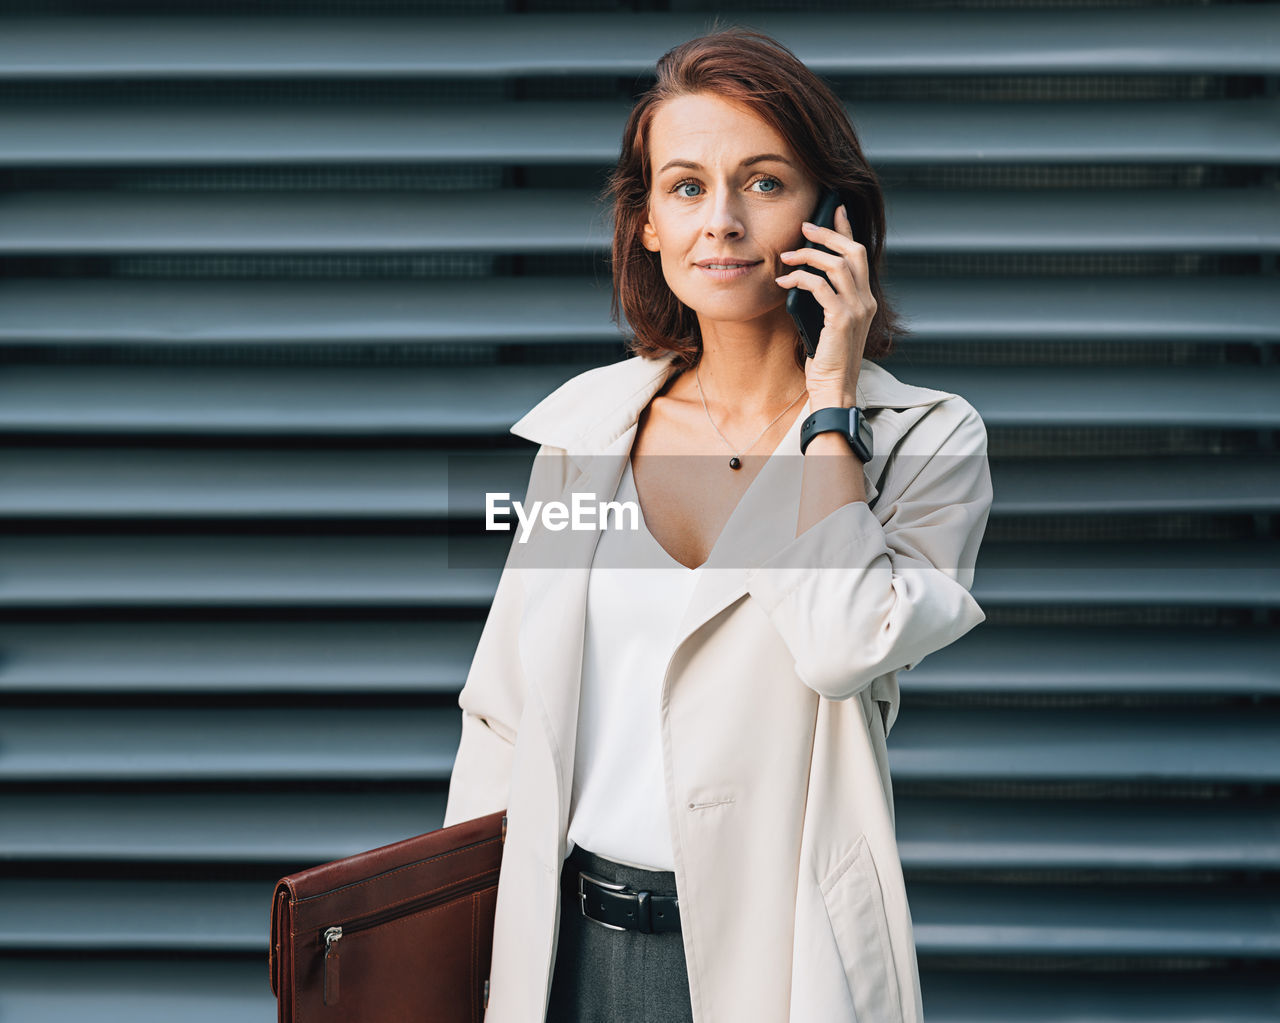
[486, 993]
[331, 937]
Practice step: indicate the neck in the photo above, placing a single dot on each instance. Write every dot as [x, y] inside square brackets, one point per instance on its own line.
[748, 381]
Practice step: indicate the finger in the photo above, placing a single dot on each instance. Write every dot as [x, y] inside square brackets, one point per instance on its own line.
[831, 239]
[853, 251]
[825, 261]
[842, 221]
[838, 268]
[820, 289]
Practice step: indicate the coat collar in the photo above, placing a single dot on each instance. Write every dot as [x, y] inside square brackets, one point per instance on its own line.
[587, 414]
[594, 417]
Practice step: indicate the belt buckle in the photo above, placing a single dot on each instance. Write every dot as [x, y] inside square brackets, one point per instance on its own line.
[582, 896]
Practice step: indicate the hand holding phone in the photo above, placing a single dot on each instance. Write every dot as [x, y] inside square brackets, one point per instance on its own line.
[805, 309]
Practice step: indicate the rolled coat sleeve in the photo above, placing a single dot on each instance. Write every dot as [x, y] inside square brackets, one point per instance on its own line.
[492, 698]
[862, 593]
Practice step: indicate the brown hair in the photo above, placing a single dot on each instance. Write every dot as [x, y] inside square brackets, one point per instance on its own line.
[748, 67]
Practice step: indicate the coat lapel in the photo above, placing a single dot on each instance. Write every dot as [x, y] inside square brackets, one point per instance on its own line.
[595, 426]
[593, 418]
[553, 628]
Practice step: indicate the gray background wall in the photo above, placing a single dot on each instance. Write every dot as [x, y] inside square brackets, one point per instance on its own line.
[263, 275]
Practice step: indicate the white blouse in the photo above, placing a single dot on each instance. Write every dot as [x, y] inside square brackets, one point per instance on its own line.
[636, 596]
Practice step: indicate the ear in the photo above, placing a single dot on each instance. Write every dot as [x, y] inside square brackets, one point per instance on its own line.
[649, 237]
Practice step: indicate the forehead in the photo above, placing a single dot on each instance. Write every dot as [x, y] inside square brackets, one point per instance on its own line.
[705, 128]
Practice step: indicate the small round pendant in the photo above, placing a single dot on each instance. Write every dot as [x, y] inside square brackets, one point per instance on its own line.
[735, 462]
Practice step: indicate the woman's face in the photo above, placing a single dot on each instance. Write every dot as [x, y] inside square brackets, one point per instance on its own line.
[725, 207]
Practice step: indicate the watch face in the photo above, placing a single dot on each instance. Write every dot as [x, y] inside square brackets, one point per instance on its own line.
[849, 422]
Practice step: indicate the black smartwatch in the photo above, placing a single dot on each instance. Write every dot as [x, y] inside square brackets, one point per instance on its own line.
[848, 422]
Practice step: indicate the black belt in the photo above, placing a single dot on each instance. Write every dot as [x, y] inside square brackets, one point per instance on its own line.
[625, 909]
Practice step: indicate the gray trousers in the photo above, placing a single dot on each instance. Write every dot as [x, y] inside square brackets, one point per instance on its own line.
[607, 976]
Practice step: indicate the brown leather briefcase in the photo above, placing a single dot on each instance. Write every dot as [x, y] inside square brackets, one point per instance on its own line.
[403, 932]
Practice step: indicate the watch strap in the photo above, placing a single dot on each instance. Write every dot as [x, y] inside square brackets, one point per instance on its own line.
[850, 423]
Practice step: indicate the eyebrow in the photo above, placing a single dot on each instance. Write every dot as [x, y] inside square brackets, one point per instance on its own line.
[745, 163]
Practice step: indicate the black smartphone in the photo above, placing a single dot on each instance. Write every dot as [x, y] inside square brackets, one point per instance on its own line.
[806, 310]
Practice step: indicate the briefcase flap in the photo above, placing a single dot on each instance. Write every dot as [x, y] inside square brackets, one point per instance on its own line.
[404, 876]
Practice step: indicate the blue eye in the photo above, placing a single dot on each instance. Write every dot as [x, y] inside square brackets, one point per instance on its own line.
[777, 186]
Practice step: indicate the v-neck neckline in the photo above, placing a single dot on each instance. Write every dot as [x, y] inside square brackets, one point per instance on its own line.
[733, 515]
[644, 525]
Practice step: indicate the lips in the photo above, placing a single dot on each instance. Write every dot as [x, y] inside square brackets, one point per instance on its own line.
[733, 272]
[727, 262]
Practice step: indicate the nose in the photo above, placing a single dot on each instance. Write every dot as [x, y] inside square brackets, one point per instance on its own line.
[723, 220]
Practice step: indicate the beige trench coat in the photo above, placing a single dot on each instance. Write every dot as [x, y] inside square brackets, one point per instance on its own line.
[775, 706]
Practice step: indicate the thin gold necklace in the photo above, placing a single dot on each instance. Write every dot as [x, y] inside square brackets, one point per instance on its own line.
[736, 461]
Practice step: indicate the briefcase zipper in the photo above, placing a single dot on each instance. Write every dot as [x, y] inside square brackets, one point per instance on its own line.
[332, 935]
[331, 965]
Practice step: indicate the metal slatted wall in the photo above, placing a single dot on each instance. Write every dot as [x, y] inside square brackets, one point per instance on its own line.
[268, 265]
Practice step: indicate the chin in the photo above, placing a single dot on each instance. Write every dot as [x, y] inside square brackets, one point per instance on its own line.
[726, 303]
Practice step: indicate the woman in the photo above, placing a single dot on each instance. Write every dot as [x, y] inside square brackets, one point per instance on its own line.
[692, 755]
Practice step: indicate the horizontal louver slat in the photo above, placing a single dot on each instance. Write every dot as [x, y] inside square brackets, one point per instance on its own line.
[1228, 131]
[569, 222]
[1158, 920]
[1183, 40]
[542, 310]
[235, 743]
[131, 989]
[370, 482]
[421, 657]
[933, 834]
[389, 570]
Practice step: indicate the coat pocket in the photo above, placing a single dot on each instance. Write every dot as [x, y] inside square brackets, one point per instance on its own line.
[856, 910]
